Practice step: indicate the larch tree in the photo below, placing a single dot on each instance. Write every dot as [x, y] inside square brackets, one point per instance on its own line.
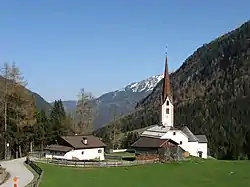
[85, 109]
[19, 107]
[4, 84]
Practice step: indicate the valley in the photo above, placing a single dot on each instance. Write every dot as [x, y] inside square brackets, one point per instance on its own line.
[117, 103]
[125, 93]
[211, 95]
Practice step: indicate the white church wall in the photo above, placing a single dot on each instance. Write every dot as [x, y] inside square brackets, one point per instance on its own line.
[203, 148]
[192, 148]
[167, 113]
[177, 136]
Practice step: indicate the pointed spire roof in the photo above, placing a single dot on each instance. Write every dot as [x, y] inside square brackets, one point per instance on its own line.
[166, 91]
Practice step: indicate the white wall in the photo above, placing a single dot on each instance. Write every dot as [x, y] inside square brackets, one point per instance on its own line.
[167, 119]
[203, 147]
[192, 148]
[178, 137]
[81, 154]
[86, 154]
[195, 147]
[54, 154]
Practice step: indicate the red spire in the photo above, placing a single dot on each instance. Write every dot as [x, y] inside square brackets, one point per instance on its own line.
[166, 91]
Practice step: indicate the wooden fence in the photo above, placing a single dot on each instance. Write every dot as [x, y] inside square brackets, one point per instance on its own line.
[38, 173]
[93, 164]
[119, 157]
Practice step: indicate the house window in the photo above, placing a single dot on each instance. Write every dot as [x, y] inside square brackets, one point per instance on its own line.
[180, 142]
[82, 152]
[167, 103]
[167, 111]
[174, 133]
[99, 151]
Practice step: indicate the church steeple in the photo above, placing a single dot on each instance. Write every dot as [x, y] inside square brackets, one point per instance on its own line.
[167, 108]
[166, 91]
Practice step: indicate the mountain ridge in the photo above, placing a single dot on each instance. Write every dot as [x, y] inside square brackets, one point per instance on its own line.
[120, 102]
[40, 102]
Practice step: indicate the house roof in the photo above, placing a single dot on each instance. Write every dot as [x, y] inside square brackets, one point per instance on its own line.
[151, 142]
[174, 128]
[161, 128]
[202, 138]
[158, 131]
[191, 136]
[60, 148]
[76, 141]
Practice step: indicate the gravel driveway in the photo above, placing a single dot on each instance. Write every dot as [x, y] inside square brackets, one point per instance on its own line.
[16, 168]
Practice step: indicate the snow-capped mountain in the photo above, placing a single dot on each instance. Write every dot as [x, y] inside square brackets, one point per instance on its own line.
[146, 85]
[121, 101]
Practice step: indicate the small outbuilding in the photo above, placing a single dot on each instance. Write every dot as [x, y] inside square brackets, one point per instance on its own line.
[147, 148]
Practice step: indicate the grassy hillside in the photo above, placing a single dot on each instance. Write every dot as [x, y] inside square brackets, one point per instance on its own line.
[204, 174]
[211, 96]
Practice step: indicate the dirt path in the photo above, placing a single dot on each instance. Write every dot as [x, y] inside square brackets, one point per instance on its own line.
[16, 168]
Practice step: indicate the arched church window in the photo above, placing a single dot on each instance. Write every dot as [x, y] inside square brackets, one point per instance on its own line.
[167, 103]
[167, 111]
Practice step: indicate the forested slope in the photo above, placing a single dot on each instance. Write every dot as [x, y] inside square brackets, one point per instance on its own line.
[211, 95]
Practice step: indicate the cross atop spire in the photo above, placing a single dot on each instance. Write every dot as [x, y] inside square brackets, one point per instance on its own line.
[166, 52]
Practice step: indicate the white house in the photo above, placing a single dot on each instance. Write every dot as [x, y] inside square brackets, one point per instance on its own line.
[76, 147]
[196, 145]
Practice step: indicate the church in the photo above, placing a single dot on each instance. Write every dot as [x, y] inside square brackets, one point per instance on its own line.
[165, 134]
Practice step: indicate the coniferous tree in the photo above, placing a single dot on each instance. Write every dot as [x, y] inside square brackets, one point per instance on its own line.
[42, 131]
[58, 121]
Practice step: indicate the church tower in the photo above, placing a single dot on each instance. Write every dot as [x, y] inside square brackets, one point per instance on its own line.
[167, 107]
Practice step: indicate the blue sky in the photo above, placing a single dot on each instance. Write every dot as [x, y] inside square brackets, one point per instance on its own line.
[62, 46]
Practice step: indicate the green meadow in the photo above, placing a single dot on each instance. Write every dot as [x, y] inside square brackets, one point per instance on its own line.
[209, 173]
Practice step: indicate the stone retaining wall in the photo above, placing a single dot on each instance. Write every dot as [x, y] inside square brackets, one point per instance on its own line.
[3, 175]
